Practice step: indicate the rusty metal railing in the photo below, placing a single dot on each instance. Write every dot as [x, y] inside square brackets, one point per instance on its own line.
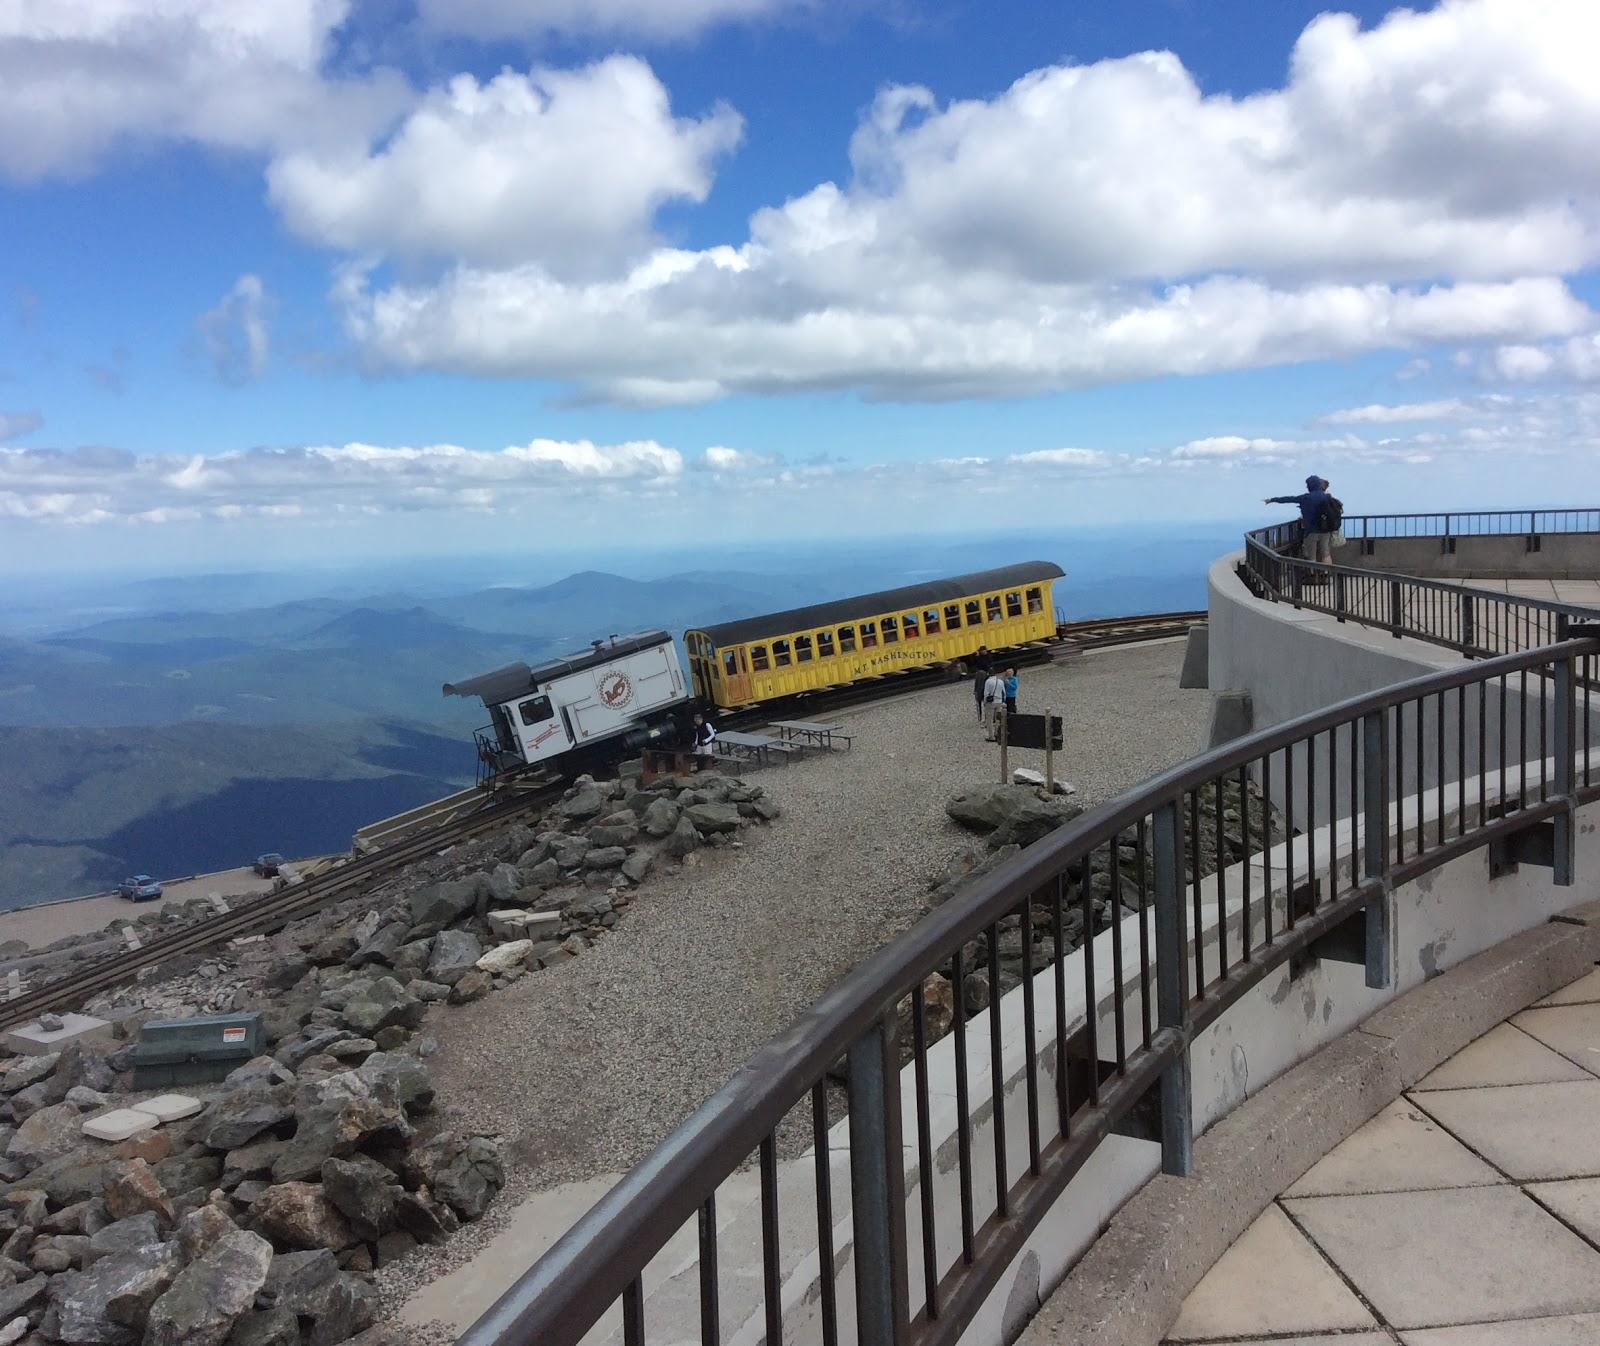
[1171, 929]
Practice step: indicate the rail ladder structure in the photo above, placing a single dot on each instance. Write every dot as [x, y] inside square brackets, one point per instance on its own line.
[924, 1192]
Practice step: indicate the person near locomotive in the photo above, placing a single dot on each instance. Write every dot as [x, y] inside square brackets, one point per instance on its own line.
[994, 704]
[705, 738]
[980, 675]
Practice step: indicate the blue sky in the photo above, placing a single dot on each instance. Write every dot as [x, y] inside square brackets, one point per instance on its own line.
[355, 278]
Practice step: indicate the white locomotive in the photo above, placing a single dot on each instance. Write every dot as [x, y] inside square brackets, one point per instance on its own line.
[581, 709]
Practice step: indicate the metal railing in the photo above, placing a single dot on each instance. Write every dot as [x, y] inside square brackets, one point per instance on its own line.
[1477, 622]
[1530, 523]
[1176, 925]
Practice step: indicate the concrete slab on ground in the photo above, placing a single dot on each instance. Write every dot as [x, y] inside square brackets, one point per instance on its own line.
[1531, 1132]
[1504, 1055]
[1582, 1329]
[1577, 1201]
[1572, 1030]
[1468, 1255]
[1271, 1282]
[1401, 1149]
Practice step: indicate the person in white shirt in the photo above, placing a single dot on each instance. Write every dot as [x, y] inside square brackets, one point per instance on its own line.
[994, 703]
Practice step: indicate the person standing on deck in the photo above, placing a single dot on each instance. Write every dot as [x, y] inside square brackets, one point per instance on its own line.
[994, 705]
[1317, 525]
[1011, 691]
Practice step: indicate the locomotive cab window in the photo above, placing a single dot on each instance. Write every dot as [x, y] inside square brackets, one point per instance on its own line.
[536, 711]
[758, 658]
[1013, 605]
[730, 663]
[991, 607]
[847, 640]
[780, 653]
[802, 649]
[824, 644]
[891, 630]
[930, 621]
[1035, 600]
[952, 617]
[869, 635]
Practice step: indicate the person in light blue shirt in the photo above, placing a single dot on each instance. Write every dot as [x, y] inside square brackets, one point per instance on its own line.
[1011, 691]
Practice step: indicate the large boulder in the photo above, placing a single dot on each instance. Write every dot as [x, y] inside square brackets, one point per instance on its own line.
[365, 1192]
[504, 957]
[1018, 814]
[661, 817]
[202, 1229]
[585, 801]
[50, 1133]
[682, 840]
[455, 953]
[437, 905]
[637, 865]
[404, 1074]
[266, 1327]
[465, 1172]
[132, 1188]
[619, 829]
[381, 1003]
[111, 1301]
[28, 1070]
[310, 1285]
[119, 1237]
[712, 818]
[237, 1118]
[300, 1214]
[211, 1294]
[336, 1115]
[502, 884]
[605, 857]
[382, 947]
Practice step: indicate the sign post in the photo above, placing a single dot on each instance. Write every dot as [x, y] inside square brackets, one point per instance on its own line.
[1049, 755]
[1005, 744]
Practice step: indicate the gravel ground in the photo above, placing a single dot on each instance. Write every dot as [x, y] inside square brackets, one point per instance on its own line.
[586, 1066]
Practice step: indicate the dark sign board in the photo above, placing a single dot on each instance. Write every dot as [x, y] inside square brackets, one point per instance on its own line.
[1027, 731]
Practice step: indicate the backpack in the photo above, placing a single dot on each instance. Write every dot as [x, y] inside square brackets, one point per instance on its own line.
[1330, 516]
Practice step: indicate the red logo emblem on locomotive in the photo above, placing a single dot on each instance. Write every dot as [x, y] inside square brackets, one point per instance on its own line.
[616, 690]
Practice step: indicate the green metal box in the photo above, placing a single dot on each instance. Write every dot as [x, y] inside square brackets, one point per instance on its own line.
[195, 1051]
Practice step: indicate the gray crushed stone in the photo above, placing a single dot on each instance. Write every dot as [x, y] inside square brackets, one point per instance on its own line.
[585, 1067]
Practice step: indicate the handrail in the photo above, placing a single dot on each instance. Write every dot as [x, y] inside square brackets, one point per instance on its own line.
[1473, 523]
[1133, 1038]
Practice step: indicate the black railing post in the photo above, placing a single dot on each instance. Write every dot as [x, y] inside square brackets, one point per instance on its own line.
[1338, 594]
[1469, 633]
[877, 1184]
[1396, 608]
[1566, 750]
[1172, 989]
[1375, 836]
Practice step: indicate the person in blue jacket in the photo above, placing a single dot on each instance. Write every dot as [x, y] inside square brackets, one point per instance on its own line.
[1011, 691]
[1317, 541]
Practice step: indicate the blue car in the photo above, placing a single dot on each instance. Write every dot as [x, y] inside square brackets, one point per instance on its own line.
[140, 888]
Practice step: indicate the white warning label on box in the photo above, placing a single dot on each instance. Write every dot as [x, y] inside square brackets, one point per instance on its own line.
[233, 1034]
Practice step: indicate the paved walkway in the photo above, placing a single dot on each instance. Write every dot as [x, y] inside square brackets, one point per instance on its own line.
[1467, 1213]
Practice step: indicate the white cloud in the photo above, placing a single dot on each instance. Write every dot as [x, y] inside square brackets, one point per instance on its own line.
[673, 19]
[1414, 369]
[235, 331]
[720, 458]
[1452, 409]
[1075, 459]
[1576, 360]
[78, 77]
[565, 167]
[15, 424]
[1096, 223]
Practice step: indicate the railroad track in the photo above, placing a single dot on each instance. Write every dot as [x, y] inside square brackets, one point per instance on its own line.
[303, 899]
[264, 916]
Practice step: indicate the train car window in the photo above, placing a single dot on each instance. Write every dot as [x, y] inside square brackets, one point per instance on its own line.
[908, 624]
[730, 663]
[780, 653]
[952, 617]
[536, 711]
[869, 635]
[930, 621]
[974, 612]
[1013, 605]
[802, 649]
[824, 644]
[1035, 600]
[847, 640]
[891, 630]
[991, 607]
[758, 658]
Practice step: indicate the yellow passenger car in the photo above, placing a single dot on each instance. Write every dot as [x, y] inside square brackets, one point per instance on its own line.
[756, 659]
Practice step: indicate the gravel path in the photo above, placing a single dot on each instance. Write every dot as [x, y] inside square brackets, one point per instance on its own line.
[586, 1066]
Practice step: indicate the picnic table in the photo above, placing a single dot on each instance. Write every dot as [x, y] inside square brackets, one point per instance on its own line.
[814, 735]
[758, 747]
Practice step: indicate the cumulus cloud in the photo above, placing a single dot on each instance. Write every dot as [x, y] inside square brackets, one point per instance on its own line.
[235, 331]
[78, 77]
[720, 458]
[1576, 360]
[671, 19]
[1100, 222]
[566, 167]
[15, 424]
[1450, 409]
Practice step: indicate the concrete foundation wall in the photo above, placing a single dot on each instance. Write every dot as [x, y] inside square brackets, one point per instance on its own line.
[1574, 556]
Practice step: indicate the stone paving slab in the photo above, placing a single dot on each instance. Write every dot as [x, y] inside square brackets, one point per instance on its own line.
[1469, 1255]
[1531, 1132]
[1504, 1055]
[1321, 1339]
[1572, 1030]
[1401, 1149]
[1583, 991]
[1271, 1282]
[1577, 1201]
[1581, 1329]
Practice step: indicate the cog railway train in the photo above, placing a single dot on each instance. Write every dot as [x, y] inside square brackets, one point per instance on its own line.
[583, 710]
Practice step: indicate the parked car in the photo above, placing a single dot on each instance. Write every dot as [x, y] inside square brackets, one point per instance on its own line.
[140, 888]
[269, 864]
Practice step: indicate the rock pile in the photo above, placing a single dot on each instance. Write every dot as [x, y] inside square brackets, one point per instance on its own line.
[1013, 816]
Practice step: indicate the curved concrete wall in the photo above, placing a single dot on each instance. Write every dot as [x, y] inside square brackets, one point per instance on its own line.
[1559, 556]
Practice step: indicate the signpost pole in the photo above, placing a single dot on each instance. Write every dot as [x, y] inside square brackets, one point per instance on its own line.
[1005, 754]
[1049, 753]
